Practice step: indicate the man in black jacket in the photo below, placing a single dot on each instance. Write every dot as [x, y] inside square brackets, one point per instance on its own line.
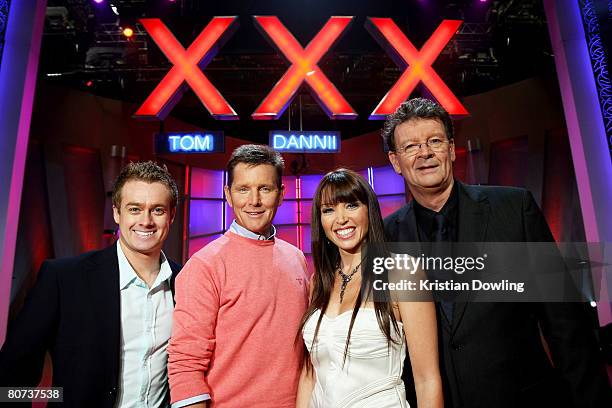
[491, 354]
[105, 316]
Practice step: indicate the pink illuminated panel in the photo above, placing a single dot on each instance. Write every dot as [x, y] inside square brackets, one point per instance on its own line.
[304, 68]
[195, 244]
[188, 65]
[206, 207]
[206, 183]
[418, 64]
[390, 204]
[306, 207]
[288, 233]
[289, 183]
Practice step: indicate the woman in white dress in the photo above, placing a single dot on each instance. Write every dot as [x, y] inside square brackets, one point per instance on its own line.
[356, 346]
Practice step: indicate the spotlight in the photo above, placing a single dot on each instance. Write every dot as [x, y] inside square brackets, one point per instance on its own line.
[128, 32]
[98, 1]
[89, 83]
[114, 9]
[593, 304]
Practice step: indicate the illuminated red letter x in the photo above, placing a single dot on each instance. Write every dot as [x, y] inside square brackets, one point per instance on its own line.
[304, 68]
[187, 67]
[418, 62]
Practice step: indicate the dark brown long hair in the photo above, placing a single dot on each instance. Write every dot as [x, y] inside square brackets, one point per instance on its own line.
[344, 186]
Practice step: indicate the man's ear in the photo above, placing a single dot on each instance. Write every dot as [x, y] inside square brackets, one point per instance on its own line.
[451, 147]
[172, 215]
[394, 162]
[116, 215]
[281, 194]
[228, 196]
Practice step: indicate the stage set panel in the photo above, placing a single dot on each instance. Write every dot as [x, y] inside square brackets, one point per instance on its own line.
[210, 215]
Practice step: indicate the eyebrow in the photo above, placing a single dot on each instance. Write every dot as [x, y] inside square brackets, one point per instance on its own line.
[256, 185]
[430, 137]
[137, 204]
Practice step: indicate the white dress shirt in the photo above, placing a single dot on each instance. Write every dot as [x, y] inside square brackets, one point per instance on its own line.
[146, 325]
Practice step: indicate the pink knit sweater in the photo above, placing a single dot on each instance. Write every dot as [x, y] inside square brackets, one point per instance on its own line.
[239, 302]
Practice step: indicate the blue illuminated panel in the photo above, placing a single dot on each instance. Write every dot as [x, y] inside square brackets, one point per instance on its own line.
[190, 142]
[287, 213]
[205, 216]
[4, 10]
[309, 184]
[206, 183]
[229, 215]
[599, 58]
[320, 141]
[386, 181]
[306, 246]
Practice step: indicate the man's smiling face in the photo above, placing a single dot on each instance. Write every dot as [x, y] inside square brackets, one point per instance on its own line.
[254, 196]
[427, 169]
[144, 216]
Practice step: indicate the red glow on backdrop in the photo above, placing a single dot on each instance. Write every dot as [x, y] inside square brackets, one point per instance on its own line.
[188, 65]
[417, 65]
[304, 68]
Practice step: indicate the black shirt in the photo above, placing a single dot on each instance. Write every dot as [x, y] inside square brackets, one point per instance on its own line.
[425, 217]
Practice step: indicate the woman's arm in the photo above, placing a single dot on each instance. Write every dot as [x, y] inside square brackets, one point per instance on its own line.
[420, 327]
[305, 387]
[307, 377]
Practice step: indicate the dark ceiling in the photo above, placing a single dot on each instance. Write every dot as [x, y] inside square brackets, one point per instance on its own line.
[501, 42]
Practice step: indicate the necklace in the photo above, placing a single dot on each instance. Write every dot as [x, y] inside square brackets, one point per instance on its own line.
[346, 279]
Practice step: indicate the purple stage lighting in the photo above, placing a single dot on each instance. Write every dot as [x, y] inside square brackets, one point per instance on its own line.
[98, 1]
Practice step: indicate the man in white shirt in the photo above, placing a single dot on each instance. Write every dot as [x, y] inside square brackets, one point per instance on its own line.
[105, 316]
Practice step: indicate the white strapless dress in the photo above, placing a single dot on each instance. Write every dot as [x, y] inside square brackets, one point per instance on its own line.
[372, 374]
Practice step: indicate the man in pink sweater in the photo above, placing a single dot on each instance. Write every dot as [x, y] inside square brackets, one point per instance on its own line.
[239, 301]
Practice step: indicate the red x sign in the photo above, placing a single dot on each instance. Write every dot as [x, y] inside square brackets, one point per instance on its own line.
[418, 65]
[304, 68]
[188, 65]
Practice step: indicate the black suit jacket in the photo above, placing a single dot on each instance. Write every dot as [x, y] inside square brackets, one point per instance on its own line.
[73, 311]
[491, 355]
